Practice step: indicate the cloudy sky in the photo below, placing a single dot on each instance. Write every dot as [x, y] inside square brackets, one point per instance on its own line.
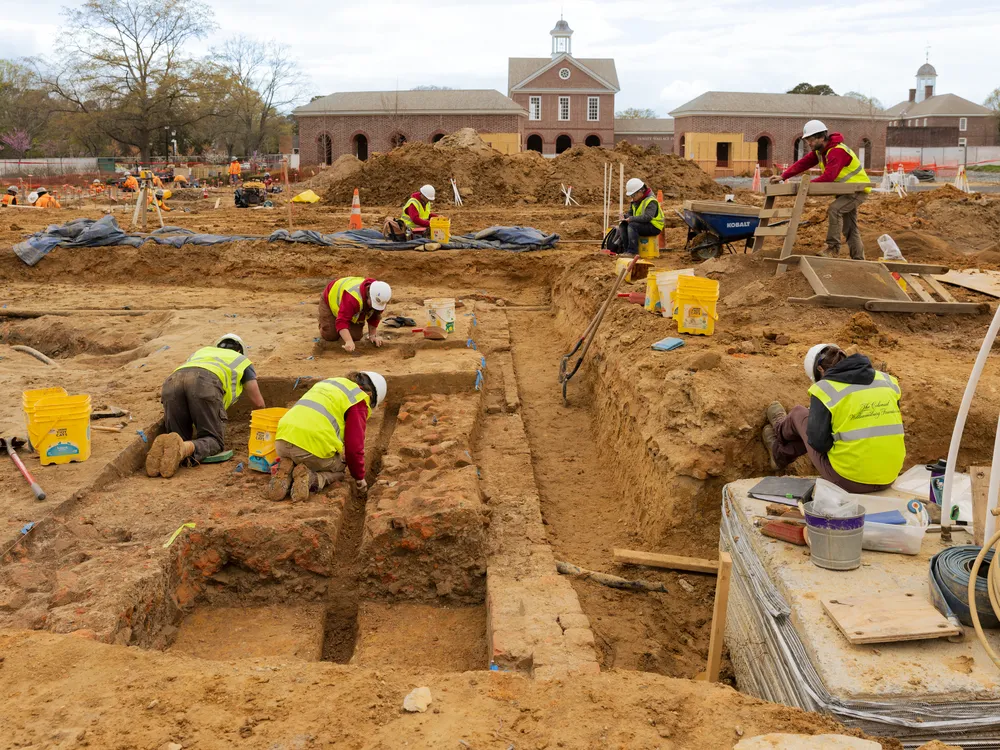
[666, 52]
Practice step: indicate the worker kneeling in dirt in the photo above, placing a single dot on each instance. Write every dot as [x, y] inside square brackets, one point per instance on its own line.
[45, 200]
[195, 398]
[839, 164]
[323, 432]
[161, 199]
[645, 216]
[417, 210]
[852, 430]
[10, 199]
[131, 185]
[347, 304]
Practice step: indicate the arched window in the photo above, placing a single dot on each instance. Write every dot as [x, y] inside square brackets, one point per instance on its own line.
[681, 146]
[593, 141]
[437, 137]
[764, 151]
[866, 153]
[563, 143]
[360, 143]
[798, 149]
[534, 143]
[324, 149]
[397, 140]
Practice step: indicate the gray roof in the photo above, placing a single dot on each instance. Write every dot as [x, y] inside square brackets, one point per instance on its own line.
[945, 105]
[926, 70]
[520, 68]
[898, 109]
[637, 125]
[776, 105]
[465, 101]
[561, 26]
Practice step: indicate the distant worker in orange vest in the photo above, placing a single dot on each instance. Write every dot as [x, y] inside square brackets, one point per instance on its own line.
[131, 185]
[45, 200]
[234, 171]
[157, 182]
[96, 187]
[10, 199]
[161, 199]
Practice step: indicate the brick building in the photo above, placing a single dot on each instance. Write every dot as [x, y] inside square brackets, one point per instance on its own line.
[773, 122]
[364, 122]
[646, 132]
[928, 119]
[570, 101]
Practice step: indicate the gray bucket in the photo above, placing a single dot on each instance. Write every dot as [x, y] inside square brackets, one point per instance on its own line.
[835, 542]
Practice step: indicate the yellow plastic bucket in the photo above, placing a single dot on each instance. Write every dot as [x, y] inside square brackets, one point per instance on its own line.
[263, 428]
[30, 398]
[695, 301]
[649, 247]
[441, 313]
[639, 271]
[653, 300]
[440, 229]
[59, 428]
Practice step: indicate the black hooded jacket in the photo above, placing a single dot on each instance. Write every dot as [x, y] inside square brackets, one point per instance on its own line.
[855, 370]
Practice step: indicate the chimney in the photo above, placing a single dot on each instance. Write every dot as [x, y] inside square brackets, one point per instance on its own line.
[928, 92]
[913, 96]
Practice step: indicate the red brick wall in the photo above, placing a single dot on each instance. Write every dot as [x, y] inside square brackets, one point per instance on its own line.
[577, 127]
[783, 131]
[665, 141]
[379, 129]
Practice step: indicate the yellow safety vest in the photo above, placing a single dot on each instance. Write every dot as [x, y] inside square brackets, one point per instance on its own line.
[424, 212]
[638, 211]
[868, 442]
[316, 422]
[352, 286]
[226, 364]
[853, 172]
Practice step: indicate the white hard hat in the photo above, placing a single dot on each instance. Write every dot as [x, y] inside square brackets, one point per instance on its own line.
[813, 355]
[812, 128]
[32, 197]
[127, 173]
[233, 337]
[380, 294]
[97, 182]
[42, 191]
[380, 386]
[428, 192]
[12, 189]
[235, 159]
[633, 186]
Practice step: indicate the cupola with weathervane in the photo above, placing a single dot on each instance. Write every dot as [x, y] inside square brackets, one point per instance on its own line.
[562, 39]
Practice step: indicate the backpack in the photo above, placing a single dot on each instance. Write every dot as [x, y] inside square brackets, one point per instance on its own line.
[614, 240]
[395, 231]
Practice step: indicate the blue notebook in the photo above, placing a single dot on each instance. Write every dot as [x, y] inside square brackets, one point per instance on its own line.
[893, 517]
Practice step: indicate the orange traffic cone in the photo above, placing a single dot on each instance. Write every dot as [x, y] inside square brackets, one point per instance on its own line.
[663, 238]
[755, 186]
[355, 222]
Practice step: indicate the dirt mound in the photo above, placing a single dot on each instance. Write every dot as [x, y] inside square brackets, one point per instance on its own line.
[344, 168]
[485, 176]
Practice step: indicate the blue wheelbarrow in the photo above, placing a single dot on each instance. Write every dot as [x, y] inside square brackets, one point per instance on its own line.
[713, 225]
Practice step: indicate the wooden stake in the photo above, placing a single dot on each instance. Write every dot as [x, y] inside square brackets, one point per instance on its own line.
[288, 192]
[621, 189]
[719, 617]
[671, 562]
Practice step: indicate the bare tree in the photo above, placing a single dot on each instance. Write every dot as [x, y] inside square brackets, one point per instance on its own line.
[24, 105]
[871, 102]
[123, 65]
[636, 113]
[993, 102]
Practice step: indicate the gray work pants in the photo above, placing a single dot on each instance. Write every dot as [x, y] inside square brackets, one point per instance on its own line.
[192, 401]
[843, 214]
[329, 470]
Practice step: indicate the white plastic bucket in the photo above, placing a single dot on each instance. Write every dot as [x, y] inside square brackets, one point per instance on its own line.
[666, 282]
[441, 313]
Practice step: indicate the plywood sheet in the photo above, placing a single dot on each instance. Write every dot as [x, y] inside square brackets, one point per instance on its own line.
[986, 282]
[857, 279]
[721, 207]
[888, 617]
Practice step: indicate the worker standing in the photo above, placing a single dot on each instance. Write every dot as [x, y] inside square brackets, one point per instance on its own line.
[131, 185]
[234, 171]
[347, 304]
[324, 432]
[417, 210]
[852, 430]
[195, 398]
[839, 164]
[45, 200]
[10, 198]
[644, 217]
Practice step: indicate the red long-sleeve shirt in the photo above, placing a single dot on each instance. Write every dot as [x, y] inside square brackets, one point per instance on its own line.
[414, 215]
[836, 160]
[355, 424]
[349, 307]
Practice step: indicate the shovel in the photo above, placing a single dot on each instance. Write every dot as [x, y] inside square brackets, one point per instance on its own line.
[433, 333]
[9, 445]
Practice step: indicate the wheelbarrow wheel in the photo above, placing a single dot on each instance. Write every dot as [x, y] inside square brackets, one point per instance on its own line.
[705, 246]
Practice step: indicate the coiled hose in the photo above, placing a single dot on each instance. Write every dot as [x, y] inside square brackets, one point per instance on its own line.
[992, 586]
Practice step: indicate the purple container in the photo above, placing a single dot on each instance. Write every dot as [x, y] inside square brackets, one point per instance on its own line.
[835, 543]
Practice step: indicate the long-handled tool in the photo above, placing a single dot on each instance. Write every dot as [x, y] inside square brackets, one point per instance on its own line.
[588, 336]
[10, 445]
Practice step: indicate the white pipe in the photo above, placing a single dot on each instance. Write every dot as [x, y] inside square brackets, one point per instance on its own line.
[621, 189]
[604, 199]
[956, 437]
[991, 495]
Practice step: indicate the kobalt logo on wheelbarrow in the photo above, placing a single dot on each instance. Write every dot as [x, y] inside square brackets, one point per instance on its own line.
[737, 224]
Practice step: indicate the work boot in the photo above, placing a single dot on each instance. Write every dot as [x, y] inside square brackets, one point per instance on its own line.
[281, 481]
[155, 456]
[829, 252]
[767, 436]
[304, 481]
[173, 454]
[775, 413]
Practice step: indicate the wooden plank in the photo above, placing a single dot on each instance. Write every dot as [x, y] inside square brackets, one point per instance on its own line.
[980, 494]
[775, 213]
[937, 308]
[721, 207]
[820, 188]
[718, 631]
[888, 618]
[671, 562]
[910, 279]
[831, 300]
[758, 242]
[793, 223]
[771, 231]
[984, 282]
[937, 287]
[917, 268]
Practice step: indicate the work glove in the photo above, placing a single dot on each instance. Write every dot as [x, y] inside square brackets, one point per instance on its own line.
[362, 485]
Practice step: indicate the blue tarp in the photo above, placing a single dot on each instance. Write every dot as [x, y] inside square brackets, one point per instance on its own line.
[105, 231]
